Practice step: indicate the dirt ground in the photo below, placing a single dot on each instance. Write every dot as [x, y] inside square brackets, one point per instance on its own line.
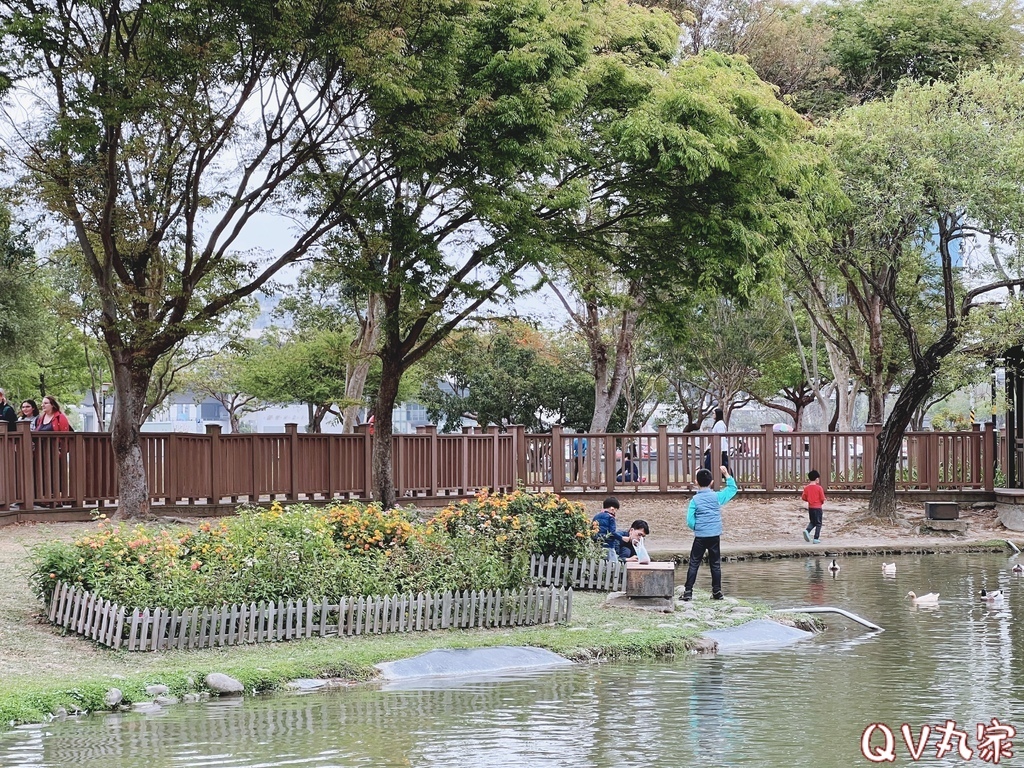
[753, 525]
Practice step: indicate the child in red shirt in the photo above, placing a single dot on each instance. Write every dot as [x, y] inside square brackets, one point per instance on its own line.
[814, 496]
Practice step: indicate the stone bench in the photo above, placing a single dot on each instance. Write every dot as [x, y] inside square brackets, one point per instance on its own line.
[650, 579]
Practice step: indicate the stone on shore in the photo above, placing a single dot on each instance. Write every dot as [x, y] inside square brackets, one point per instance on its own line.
[113, 697]
[223, 685]
[157, 690]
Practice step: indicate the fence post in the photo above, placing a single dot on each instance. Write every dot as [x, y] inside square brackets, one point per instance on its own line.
[397, 444]
[254, 444]
[172, 469]
[872, 433]
[988, 438]
[662, 463]
[557, 461]
[495, 464]
[435, 465]
[821, 456]
[610, 467]
[292, 430]
[518, 432]
[366, 431]
[77, 481]
[977, 442]
[216, 462]
[768, 462]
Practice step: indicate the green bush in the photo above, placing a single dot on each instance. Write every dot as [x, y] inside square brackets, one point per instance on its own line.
[306, 552]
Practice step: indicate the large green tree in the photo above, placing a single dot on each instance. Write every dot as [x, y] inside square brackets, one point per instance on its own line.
[163, 133]
[929, 173]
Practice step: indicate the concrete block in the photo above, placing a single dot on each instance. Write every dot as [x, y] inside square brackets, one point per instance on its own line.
[941, 510]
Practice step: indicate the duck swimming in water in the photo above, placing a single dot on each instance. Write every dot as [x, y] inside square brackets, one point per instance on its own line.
[932, 598]
[834, 566]
[888, 567]
[993, 596]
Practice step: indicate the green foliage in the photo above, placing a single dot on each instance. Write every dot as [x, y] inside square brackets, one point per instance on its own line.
[305, 552]
[877, 43]
[509, 372]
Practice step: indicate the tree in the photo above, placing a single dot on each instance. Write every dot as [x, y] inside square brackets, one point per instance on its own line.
[877, 43]
[502, 373]
[162, 132]
[927, 172]
[223, 377]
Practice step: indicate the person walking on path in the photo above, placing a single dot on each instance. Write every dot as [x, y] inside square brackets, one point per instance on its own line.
[704, 518]
[7, 413]
[814, 500]
[719, 428]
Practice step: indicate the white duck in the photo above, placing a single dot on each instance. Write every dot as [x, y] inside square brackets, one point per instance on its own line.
[888, 567]
[992, 597]
[834, 566]
[932, 598]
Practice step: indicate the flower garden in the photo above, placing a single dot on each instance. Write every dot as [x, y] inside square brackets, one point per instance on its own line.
[301, 551]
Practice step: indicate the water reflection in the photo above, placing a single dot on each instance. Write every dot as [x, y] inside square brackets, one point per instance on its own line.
[804, 705]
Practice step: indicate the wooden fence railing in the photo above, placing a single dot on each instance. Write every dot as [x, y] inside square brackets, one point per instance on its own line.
[76, 470]
[154, 629]
[578, 574]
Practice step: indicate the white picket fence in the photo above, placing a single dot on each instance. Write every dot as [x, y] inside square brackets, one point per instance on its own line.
[152, 629]
[578, 574]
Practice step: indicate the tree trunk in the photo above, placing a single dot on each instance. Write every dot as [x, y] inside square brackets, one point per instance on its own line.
[131, 384]
[608, 383]
[882, 503]
[383, 427]
[361, 352]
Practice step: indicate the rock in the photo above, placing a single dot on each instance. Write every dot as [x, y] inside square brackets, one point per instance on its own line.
[631, 630]
[157, 690]
[204, 695]
[113, 697]
[741, 609]
[146, 708]
[190, 682]
[166, 701]
[190, 698]
[705, 645]
[983, 505]
[60, 713]
[307, 684]
[223, 685]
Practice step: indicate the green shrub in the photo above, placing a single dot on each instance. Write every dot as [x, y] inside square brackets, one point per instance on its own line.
[305, 552]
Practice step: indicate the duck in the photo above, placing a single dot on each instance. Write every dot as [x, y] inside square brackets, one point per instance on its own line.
[1017, 568]
[994, 595]
[888, 567]
[932, 598]
[834, 566]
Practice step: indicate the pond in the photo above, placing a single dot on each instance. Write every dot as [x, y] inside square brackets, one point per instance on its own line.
[803, 705]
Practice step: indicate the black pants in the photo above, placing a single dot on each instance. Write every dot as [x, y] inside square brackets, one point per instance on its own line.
[713, 546]
[707, 460]
[815, 524]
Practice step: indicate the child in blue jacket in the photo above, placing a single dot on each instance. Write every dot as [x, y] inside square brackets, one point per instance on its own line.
[704, 517]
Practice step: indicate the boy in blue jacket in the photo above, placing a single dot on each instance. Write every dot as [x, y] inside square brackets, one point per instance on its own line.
[704, 517]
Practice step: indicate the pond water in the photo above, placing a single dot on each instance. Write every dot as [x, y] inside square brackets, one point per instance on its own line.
[803, 705]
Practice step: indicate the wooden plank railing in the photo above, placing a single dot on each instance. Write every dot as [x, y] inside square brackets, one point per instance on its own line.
[155, 629]
[76, 470]
[579, 574]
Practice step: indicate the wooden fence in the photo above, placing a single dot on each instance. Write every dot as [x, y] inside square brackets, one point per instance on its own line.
[578, 574]
[75, 471]
[153, 629]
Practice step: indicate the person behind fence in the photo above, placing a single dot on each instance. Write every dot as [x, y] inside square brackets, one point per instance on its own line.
[29, 412]
[704, 517]
[51, 419]
[719, 428]
[7, 414]
[814, 500]
[628, 471]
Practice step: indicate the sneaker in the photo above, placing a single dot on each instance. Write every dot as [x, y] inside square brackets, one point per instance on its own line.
[717, 596]
[688, 595]
[807, 536]
[816, 541]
